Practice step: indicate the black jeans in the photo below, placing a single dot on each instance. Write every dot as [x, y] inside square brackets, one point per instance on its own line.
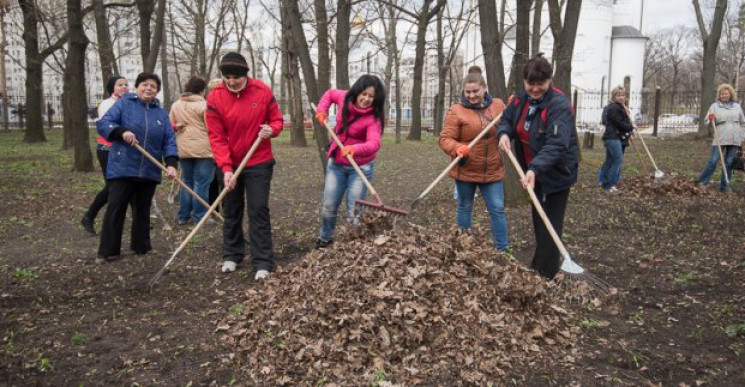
[253, 183]
[139, 195]
[103, 196]
[547, 258]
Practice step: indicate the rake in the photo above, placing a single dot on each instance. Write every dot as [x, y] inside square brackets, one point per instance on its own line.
[176, 179]
[172, 191]
[158, 213]
[452, 164]
[658, 174]
[378, 204]
[207, 215]
[568, 266]
[721, 154]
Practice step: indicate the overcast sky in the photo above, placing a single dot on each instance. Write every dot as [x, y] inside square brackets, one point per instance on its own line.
[659, 14]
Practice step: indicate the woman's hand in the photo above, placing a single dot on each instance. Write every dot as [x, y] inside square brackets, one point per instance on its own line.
[347, 150]
[266, 132]
[504, 143]
[322, 117]
[171, 172]
[462, 151]
[228, 181]
[130, 138]
[529, 180]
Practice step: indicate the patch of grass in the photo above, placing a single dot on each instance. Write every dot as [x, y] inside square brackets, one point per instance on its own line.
[684, 278]
[734, 331]
[24, 274]
[378, 376]
[637, 317]
[591, 324]
[78, 339]
[236, 310]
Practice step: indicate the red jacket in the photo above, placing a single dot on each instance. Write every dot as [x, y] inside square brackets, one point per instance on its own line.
[233, 123]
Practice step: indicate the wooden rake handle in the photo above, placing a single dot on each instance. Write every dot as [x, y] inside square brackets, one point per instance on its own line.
[458, 158]
[176, 179]
[538, 207]
[646, 149]
[721, 154]
[209, 211]
[349, 157]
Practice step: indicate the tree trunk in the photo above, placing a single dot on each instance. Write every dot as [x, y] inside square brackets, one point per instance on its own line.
[298, 44]
[75, 103]
[150, 49]
[564, 37]
[34, 126]
[491, 45]
[522, 46]
[535, 44]
[200, 26]
[296, 105]
[324, 61]
[164, 73]
[710, 42]
[343, 12]
[3, 78]
[105, 48]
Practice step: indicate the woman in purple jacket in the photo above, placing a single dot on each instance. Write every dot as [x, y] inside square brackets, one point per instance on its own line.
[359, 127]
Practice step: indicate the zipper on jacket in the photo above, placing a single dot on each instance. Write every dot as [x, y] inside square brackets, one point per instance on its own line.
[144, 141]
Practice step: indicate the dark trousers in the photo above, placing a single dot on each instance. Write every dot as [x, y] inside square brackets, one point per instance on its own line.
[139, 195]
[103, 196]
[547, 258]
[252, 187]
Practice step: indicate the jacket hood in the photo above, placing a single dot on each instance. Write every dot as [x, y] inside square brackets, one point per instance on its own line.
[188, 97]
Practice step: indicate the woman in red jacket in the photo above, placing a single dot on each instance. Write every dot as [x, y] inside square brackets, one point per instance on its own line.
[240, 110]
[359, 126]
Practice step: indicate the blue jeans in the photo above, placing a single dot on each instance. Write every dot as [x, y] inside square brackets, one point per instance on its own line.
[729, 157]
[197, 174]
[611, 170]
[493, 194]
[340, 179]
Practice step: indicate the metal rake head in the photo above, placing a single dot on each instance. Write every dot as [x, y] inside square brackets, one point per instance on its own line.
[577, 272]
[382, 207]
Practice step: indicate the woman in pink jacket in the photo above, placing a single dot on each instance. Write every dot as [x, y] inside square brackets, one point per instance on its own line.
[359, 127]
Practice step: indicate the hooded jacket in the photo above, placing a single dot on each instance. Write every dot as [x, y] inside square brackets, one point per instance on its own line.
[150, 124]
[233, 123]
[483, 164]
[363, 134]
[729, 120]
[553, 139]
[193, 141]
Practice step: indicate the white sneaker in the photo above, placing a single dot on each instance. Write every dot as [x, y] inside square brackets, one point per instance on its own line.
[228, 267]
[261, 274]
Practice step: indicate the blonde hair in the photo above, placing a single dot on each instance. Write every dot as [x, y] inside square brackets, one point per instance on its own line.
[474, 76]
[213, 83]
[616, 92]
[728, 87]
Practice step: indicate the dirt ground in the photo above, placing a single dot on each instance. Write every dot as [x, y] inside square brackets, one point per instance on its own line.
[674, 252]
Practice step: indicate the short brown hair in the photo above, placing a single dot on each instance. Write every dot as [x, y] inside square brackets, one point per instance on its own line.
[537, 69]
[195, 85]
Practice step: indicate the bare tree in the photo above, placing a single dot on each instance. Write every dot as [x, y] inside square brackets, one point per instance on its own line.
[710, 38]
[322, 33]
[522, 46]
[34, 61]
[150, 39]
[4, 6]
[343, 30]
[492, 39]
[564, 30]
[535, 42]
[75, 100]
[105, 47]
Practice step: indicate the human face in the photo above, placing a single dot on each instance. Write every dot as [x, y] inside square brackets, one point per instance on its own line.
[621, 98]
[365, 98]
[536, 89]
[724, 95]
[147, 90]
[121, 87]
[474, 92]
[234, 83]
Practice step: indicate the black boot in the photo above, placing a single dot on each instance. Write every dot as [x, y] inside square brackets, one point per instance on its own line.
[88, 224]
[322, 244]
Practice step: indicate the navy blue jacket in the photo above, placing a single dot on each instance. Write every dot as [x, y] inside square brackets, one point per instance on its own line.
[553, 139]
[618, 125]
[152, 127]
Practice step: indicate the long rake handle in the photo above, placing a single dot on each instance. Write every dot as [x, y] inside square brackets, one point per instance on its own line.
[209, 211]
[171, 190]
[538, 207]
[721, 154]
[350, 158]
[638, 153]
[647, 149]
[176, 179]
[458, 158]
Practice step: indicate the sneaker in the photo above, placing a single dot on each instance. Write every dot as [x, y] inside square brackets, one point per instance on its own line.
[613, 190]
[261, 274]
[725, 189]
[88, 225]
[182, 222]
[100, 259]
[322, 244]
[228, 266]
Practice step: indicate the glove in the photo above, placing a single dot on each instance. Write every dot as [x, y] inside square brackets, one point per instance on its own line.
[462, 151]
[347, 150]
[711, 117]
[322, 117]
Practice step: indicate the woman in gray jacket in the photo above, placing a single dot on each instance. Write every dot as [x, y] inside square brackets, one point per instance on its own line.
[729, 118]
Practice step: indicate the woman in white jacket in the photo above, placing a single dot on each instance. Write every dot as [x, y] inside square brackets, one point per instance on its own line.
[729, 118]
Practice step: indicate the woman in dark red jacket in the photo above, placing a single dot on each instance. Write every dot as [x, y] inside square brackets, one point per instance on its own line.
[240, 110]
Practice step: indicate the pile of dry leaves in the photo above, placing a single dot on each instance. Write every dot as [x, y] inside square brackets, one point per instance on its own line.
[405, 306]
[671, 184]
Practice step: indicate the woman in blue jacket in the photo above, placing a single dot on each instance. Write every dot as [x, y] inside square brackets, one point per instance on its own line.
[541, 121]
[136, 118]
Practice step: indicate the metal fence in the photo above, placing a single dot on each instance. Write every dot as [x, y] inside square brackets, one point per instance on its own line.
[13, 111]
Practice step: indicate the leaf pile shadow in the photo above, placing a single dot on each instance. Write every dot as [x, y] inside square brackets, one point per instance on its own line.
[672, 184]
[419, 306]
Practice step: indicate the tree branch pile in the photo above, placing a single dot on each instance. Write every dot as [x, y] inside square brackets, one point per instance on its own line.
[408, 306]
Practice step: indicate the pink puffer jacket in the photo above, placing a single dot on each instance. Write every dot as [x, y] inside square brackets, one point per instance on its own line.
[363, 134]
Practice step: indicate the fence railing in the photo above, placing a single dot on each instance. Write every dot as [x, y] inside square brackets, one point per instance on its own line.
[13, 111]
